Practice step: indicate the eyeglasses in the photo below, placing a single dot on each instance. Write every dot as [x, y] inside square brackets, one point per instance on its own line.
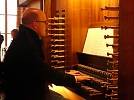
[46, 22]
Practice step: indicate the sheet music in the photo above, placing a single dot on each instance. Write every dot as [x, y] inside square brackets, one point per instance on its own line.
[96, 44]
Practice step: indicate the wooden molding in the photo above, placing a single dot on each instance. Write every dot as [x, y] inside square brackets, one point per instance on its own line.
[25, 3]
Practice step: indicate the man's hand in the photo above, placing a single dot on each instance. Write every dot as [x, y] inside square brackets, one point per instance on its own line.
[74, 72]
[79, 76]
[82, 78]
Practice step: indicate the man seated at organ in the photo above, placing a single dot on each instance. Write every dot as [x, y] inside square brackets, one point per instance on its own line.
[27, 75]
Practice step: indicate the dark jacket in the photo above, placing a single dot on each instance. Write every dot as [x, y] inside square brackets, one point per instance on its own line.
[1, 39]
[26, 72]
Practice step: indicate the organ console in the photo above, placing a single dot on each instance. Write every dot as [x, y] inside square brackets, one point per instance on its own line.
[102, 70]
[101, 74]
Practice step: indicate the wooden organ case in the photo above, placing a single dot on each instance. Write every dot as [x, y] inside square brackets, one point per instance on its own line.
[112, 77]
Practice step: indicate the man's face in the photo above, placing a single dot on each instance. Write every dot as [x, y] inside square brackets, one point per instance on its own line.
[42, 26]
[13, 34]
[42, 29]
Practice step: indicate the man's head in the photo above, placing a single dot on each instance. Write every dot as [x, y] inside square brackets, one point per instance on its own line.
[35, 19]
[14, 33]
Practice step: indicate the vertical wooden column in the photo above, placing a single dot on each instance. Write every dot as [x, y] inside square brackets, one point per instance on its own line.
[5, 22]
[42, 5]
[126, 50]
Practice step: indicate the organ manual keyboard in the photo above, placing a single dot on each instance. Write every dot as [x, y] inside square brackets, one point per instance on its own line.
[99, 87]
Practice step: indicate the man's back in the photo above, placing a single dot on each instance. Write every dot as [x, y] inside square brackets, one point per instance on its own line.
[26, 72]
[22, 73]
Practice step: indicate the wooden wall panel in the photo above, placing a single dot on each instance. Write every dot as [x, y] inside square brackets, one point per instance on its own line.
[83, 28]
[47, 8]
[75, 33]
[77, 15]
[95, 11]
[69, 36]
[85, 19]
[58, 4]
[63, 4]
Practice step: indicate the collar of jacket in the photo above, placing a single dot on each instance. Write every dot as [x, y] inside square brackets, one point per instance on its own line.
[30, 34]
